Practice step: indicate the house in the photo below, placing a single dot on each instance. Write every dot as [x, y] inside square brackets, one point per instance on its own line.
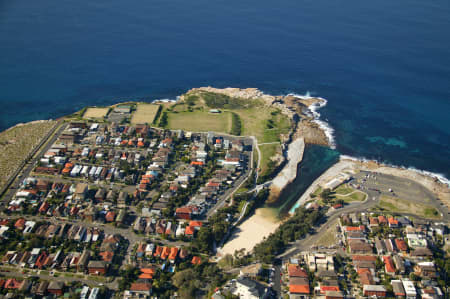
[296, 271]
[421, 252]
[110, 216]
[80, 191]
[12, 284]
[42, 288]
[401, 245]
[138, 290]
[20, 224]
[334, 295]
[324, 288]
[409, 288]
[393, 223]
[249, 289]
[365, 276]
[97, 267]
[374, 290]
[165, 252]
[100, 194]
[389, 267]
[83, 261]
[397, 289]
[158, 251]
[184, 213]
[380, 246]
[122, 199]
[399, 264]
[425, 270]
[299, 287]
[360, 247]
[173, 254]
[196, 260]
[55, 288]
[147, 273]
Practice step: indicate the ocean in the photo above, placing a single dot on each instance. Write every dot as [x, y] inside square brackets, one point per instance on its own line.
[383, 66]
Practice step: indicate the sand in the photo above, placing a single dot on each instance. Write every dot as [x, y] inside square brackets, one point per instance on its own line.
[251, 231]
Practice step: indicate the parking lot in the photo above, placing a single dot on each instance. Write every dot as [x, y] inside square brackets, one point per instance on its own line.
[377, 185]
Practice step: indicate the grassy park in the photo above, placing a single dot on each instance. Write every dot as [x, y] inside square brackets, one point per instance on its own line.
[200, 121]
[394, 204]
[145, 113]
[237, 117]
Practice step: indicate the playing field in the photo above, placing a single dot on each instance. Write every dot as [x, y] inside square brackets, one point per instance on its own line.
[255, 122]
[95, 112]
[145, 113]
[200, 121]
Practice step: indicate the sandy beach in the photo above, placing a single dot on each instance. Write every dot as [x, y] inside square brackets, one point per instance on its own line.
[251, 231]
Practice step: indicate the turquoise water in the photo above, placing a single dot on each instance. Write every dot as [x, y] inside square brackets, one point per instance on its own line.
[316, 160]
[383, 66]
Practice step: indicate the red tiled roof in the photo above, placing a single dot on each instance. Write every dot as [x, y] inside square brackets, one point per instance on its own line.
[107, 256]
[139, 287]
[189, 231]
[195, 223]
[323, 289]
[196, 260]
[366, 258]
[401, 245]
[298, 289]
[355, 228]
[183, 210]
[20, 223]
[393, 221]
[173, 253]
[296, 271]
[389, 265]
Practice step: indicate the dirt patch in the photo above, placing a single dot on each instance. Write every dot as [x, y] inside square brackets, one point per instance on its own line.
[95, 112]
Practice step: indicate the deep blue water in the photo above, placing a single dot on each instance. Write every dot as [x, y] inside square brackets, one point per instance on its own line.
[384, 66]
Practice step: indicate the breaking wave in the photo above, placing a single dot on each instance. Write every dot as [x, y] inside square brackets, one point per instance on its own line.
[327, 129]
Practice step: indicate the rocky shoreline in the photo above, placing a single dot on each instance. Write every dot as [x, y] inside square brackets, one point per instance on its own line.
[289, 173]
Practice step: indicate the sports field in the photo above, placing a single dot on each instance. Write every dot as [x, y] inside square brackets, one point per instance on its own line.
[265, 123]
[200, 121]
[95, 112]
[145, 113]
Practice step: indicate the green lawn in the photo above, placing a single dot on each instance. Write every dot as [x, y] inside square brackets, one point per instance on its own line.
[267, 151]
[200, 121]
[357, 196]
[264, 122]
[393, 204]
[343, 189]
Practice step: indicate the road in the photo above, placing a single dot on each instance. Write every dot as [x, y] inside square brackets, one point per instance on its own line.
[374, 185]
[16, 272]
[229, 192]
